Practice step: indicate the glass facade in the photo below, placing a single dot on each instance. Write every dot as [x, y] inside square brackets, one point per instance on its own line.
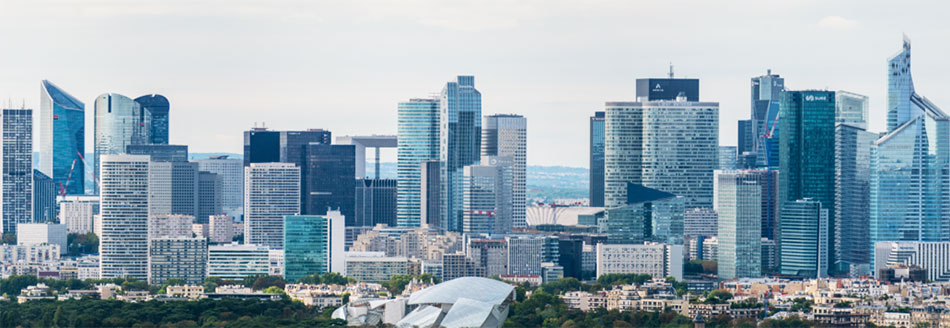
[487, 196]
[17, 169]
[44, 198]
[852, 202]
[61, 128]
[418, 143]
[597, 159]
[460, 140]
[271, 191]
[506, 135]
[306, 246]
[329, 185]
[124, 199]
[155, 110]
[804, 241]
[120, 122]
[739, 207]
[851, 109]
[807, 163]
[766, 95]
[375, 202]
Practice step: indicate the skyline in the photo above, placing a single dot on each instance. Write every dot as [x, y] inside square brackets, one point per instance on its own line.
[296, 66]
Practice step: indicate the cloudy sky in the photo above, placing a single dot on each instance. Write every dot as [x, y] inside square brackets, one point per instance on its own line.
[344, 65]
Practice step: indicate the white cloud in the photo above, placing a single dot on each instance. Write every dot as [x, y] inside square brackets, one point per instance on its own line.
[838, 23]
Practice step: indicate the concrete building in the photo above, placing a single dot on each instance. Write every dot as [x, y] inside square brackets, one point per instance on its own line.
[700, 222]
[41, 233]
[490, 255]
[487, 196]
[231, 171]
[272, 191]
[933, 257]
[124, 188]
[170, 226]
[524, 254]
[374, 267]
[234, 261]
[220, 229]
[16, 165]
[78, 213]
[183, 258]
[657, 260]
[506, 135]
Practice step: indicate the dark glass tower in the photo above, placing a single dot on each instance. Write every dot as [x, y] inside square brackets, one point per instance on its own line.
[61, 128]
[264, 146]
[44, 198]
[155, 111]
[597, 159]
[460, 139]
[375, 202]
[667, 89]
[328, 182]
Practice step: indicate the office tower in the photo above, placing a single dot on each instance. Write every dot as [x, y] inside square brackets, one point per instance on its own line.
[430, 194]
[459, 265]
[807, 149]
[329, 184]
[524, 254]
[804, 238]
[487, 196]
[265, 146]
[17, 168]
[170, 225]
[376, 142]
[851, 109]
[655, 259]
[231, 171]
[739, 205]
[570, 257]
[460, 144]
[931, 256]
[42, 233]
[766, 107]
[124, 210]
[852, 199]
[184, 258]
[155, 109]
[119, 122]
[313, 244]
[768, 180]
[160, 153]
[654, 89]
[234, 261]
[271, 191]
[700, 222]
[173, 188]
[77, 215]
[490, 255]
[745, 136]
[210, 187]
[727, 158]
[375, 202]
[506, 135]
[44, 198]
[667, 220]
[597, 159]
[220, 229]
[632, 223]
[667, 145]
[61, 123]
[909, 198]
[418, 144]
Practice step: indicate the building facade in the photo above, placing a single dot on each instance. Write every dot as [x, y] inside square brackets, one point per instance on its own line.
[155, 108]
[487, 196]
[210, 195]
[418, 144]
[375, 202]
[657, 260]
[329, 171]
[236, 261]
[852, 199]
[120, 122]
[183, 258]
[44, 197]
[804, 239]
[231, 171]
[272, 191]
[61, 126]
[505, 135]
[765, 124]
[739, 206]
[313, 245]
[597, 159]
[124, 211]
[16, 166]
[460, 144]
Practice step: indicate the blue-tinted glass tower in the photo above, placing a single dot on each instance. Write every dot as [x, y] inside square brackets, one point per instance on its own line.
[597, 159]
[61, 123]
[328, 182]
[119, 122]
[460, 144]
[155, 110]
[417, 144]
[766, 96]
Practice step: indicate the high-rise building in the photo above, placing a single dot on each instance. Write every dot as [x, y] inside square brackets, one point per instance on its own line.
[160, 152]
[931, 256]
[375, 202]
[120, 122]
[155, 109]
[264, 146]
[16, 166]
[490, 255]
[807, 161]
[745, 137]
[44, 198]
[313, 244]
[61, 126]
[124, 211]
[430, 194]
[330, 185]
[506, 135]
[183, 258]
[669, 145]
[768, 180]
[804, 239]
[170, 225]
[766, 104]
[597, 159]
[632, 223]
[210, 187]
[700, 222]
[851, 109]
[524, 254]
[653, 89]
[739, 205]
[271, 192]
[77, 213]
[234, 261]
[231, 171]
[487, 196]
[418, 144]
[460, 144]
[173, 188]
[909, 165]
[727, 158]
[42, 233]
[852, 199]
[377, 142]
[655, 259]
[220, 229]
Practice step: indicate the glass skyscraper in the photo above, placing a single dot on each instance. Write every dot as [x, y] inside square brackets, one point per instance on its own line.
[807, 148]
[804, 241]
[597, 159]
[852, 203]
[506, 135]
[17, 169]
[61, 123]
[313, 244]
[910, 200]
[739, 205]
[418, 143]
[155, 110]
[487, 196]
[766, 95]
[460, 141]
[119, 122]
[271, 191]
[124, 199]
[329, 184]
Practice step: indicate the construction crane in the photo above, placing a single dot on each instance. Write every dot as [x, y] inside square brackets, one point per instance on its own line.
[64, 187]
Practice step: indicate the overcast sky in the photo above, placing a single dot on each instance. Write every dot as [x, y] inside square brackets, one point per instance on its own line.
[344, 65]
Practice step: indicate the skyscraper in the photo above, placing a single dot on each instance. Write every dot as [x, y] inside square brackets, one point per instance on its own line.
[766, 103]
[909, 165]
[264, 146]
[271, 191]
[183, 258]
[739, 205]
[124, 210]
[487, 196]
[632, 223]
[160, 152]
[768, 181]
[807, 149]
[418, 143]
[120, 122]
[597, 159]
[727, 157]
[506, 135]
[745, 137]
[851, 109]
[852, 202]
[17, 169]
[375, 202]
[155, 109]
[430, 193]
[313, 244]
[804, 239]
[44, 198]
[210, 187]
[460, 144]
[329, 171]
[231, 171]
[61, 123]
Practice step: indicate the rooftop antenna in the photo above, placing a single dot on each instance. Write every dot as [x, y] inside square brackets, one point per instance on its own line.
[768, 71]
[671, 70]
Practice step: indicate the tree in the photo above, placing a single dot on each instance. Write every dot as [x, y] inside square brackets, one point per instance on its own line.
[9, 238]
[79, 244]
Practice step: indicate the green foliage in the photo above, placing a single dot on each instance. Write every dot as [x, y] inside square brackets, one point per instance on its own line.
[718, 296]
[681, 287]
[9, 238]
[801, 305]
[329, 278]
[790, 322]
[205, 313]
[564, 285]
[749, 303]
[79, 244]
[398, 282]
[262, 281]
[623, 279]
[171, 282]
[546, 310]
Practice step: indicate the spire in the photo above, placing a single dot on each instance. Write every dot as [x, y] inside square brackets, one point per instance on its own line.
[671, 70]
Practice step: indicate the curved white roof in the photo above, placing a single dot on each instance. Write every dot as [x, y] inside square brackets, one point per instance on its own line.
[474, 288]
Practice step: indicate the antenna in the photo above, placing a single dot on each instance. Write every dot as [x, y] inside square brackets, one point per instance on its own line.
[671, 70]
